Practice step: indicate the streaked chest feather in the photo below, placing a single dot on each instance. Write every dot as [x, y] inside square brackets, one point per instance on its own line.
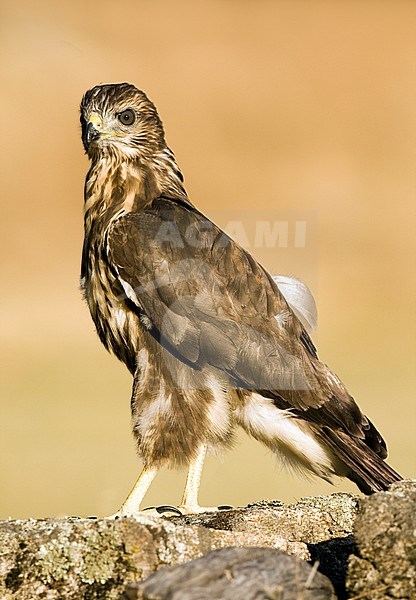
[117, 326]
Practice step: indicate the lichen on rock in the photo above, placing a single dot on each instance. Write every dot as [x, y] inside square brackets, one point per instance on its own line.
[385, 534]
[96, 558]
[76, 558]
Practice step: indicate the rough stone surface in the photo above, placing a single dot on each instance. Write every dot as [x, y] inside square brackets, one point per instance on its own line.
[96, 558]
[385, 533]
[315, 529]
[233, 573]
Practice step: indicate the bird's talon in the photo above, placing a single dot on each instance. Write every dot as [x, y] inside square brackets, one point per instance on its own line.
[164, 509]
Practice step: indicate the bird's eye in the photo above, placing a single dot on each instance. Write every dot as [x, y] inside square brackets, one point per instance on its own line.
[127, 117]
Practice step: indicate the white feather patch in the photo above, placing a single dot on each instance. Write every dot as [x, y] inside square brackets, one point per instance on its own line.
[218, 409]
[270, 424]
[300, 300]
[129, 291]
[161, 405]
[120, 317]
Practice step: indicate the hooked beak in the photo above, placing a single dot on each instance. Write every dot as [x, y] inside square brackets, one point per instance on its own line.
[90, 134]
[92, 130]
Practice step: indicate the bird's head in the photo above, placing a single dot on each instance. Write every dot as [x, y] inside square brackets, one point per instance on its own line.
[119, 120]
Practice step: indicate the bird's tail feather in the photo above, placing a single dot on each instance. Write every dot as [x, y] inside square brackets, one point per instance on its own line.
[366, 468]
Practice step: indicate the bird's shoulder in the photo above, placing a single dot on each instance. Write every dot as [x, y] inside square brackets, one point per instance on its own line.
[171, 242]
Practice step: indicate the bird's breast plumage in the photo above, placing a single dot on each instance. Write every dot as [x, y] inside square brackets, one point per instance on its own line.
[105, 201]
[117, 326]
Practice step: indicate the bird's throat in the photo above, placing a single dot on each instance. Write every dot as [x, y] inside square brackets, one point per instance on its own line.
[113, 187]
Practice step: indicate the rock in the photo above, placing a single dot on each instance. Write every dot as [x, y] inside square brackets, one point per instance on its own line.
[315, 529]
[77, 558]
[385, 533]
[67, 558]
[233, 573]
[96, 558]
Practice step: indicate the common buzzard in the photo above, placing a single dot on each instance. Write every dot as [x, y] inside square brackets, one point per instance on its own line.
[211, 341]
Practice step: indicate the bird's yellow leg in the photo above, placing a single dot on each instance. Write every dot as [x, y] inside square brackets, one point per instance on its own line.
[189, 502]
[131, 505]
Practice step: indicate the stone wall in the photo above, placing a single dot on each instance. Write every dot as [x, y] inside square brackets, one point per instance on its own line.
[335, 546]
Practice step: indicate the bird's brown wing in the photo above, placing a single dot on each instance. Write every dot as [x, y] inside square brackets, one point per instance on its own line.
[209, 302]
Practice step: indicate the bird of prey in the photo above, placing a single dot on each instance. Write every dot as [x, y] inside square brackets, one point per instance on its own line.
[210, 340]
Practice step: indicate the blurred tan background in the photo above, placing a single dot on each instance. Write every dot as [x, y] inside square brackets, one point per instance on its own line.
[305, 106]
